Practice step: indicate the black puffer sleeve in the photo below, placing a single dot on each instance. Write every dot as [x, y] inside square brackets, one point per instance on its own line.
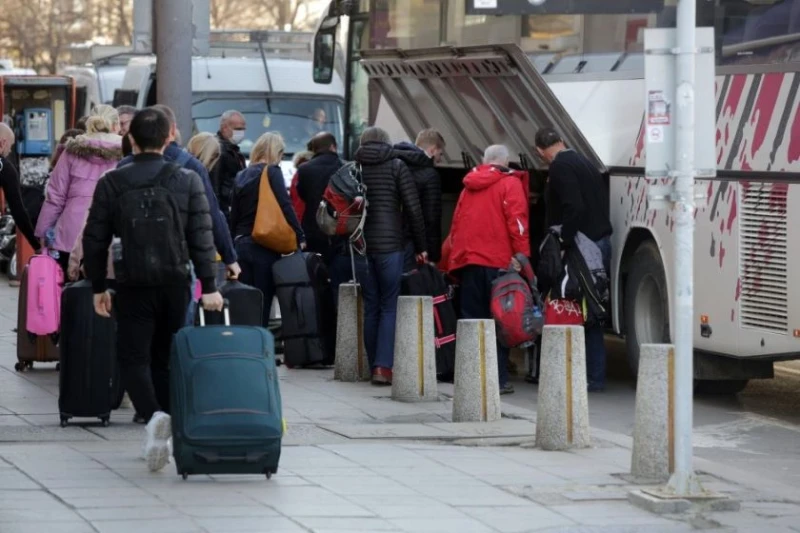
[199, 234]
[409, 197]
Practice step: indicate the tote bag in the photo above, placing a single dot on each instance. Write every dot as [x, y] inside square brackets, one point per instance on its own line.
[271, 229]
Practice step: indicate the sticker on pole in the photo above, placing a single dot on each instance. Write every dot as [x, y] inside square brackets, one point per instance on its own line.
[658, 109]
[655, 134]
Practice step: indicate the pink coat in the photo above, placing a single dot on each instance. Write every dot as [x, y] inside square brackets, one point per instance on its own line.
[71, 186]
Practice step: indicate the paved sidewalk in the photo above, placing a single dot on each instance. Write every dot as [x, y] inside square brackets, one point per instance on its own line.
[353, 460]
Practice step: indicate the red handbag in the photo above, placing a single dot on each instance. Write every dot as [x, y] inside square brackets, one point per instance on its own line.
[560, 312]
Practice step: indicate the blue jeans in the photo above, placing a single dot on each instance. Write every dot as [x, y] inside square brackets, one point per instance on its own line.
[256, 262]
[476, 301]
[595, 335]
[379, 276]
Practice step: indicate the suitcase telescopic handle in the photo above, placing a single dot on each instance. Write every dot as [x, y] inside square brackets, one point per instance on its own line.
[225, 312]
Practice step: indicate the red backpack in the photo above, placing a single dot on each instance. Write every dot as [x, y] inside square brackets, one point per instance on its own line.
[343, 209]
[517, 306]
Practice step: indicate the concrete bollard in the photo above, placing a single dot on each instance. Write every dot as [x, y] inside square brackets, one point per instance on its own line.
[351, 357]
[476, 396]
[414, 370]
[653, 432]
[562, 420]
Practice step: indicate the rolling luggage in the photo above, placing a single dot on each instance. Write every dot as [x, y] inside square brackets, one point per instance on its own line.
[31, 348]
[89, 382]
[45, 279]
[308, 324]
[426, 280]
[225, 400]
[246, 305]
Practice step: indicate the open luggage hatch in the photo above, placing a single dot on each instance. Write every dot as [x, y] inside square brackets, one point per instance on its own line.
[475, 96]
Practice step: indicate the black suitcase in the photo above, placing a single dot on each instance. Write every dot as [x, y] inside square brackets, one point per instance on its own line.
[246, 305]
[308, 325]
[89, 384]
[426, 280]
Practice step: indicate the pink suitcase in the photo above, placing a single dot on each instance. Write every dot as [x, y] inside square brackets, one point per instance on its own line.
[45, 280]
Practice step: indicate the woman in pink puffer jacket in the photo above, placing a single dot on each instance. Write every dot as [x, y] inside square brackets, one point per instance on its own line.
[71, 186]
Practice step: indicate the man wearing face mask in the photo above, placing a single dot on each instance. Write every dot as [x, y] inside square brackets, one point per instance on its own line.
[231, 132]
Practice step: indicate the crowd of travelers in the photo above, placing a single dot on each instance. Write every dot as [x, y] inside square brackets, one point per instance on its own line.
[215, 192]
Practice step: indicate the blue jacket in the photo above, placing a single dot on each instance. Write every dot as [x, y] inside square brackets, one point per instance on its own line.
[244, 201]
[222, 235]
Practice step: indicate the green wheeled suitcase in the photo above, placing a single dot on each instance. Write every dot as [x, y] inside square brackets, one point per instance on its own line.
[225, 400]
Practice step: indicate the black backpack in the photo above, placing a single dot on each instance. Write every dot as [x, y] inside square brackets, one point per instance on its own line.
[148, 222]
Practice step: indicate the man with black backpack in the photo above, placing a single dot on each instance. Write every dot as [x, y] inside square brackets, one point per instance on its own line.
[161, 215]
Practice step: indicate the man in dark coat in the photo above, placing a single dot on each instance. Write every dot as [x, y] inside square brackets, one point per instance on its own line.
[577, 200]
[420, 159]
[391, 195]
[313, 179]
[232, 127]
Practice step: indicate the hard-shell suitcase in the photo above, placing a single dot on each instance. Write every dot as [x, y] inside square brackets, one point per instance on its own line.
[31, 348]
[45, 279]
[89, 384]
[225, 401]
[308, 326]
[426, 280]
[246, 305]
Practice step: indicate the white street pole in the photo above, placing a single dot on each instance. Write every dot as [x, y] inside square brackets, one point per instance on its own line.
[682, 481]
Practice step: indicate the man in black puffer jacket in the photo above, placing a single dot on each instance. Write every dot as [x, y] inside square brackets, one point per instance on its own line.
[421, 158]
[391, 194]
[153, 272]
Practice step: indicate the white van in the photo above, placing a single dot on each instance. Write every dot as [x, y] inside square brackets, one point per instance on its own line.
[275, 91]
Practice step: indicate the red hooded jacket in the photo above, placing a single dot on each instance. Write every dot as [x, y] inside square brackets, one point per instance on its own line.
[297, 202]
[490, 223]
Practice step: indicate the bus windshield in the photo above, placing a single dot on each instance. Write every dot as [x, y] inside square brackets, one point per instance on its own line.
[296, 119]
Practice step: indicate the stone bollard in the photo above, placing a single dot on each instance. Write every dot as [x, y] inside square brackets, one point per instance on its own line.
[653, 432]
[562, 420]
[414, 370]
[476, 396]
[351, 356]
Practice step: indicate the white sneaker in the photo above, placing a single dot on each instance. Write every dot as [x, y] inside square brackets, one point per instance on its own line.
[156, 451]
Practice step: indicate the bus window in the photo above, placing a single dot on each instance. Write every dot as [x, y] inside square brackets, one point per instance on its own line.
[762, 32]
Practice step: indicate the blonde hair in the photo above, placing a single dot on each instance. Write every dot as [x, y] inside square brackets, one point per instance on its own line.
[205, 147]
[102, 119]
[267, 149]
[302, 157]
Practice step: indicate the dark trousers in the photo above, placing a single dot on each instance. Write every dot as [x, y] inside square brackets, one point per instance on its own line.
[595, 335]
[379, 276]
[63, 261]
[409, 258]
[256, 263]
[476, 296]
[340, 270]
[147, 318]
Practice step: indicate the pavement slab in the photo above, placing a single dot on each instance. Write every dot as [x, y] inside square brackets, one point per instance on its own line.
[353, 460]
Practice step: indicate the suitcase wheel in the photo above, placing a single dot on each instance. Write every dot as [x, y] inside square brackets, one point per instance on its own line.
[23, 365]
[185, 476]
[268, 473]
[64, 421]
[58, 367]
[106, 422]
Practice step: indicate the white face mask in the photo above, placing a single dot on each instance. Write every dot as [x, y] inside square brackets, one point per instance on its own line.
[238, 136]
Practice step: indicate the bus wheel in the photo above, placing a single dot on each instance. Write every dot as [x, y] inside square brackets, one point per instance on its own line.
[720, 387]
[646, 308]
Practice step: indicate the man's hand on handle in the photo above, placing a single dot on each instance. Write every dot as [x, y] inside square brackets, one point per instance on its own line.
[233, 270]
[212, 302]
[422, 258]
[102, 304]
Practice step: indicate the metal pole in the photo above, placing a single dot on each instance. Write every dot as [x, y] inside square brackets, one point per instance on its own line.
[683, 481]
[143, 26]
[174, 65]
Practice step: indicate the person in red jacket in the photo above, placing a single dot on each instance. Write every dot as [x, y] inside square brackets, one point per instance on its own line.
[297, 203]
[490, 225]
